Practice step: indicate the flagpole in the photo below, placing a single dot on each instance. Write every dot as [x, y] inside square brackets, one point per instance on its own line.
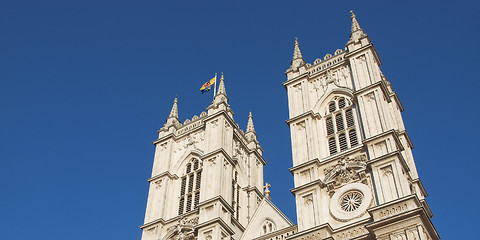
[215, 86]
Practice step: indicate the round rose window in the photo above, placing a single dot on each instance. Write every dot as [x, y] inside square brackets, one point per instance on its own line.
[350, 201]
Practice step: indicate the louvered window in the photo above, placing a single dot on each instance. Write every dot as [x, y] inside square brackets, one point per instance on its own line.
[189, 203]
[339, 120]
[343, 135]
[182, 189]
[343, 142]
[331, 107]
[341, 103]
[190, 197]
[353, 137]
[180, 206]
[197, 198]
[330, 129]
[332, 145]
[349, 116]
[199, 180]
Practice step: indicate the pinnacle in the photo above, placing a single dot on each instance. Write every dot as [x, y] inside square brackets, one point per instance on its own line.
[221, 86]
[357, 32]
[355, 25]
[296, 51]
[250, 127]
[174, 111]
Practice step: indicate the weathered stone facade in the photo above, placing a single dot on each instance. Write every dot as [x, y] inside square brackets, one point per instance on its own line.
[354, 172]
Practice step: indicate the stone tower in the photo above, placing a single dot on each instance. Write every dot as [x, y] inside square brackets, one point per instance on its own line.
[207, 176]
[354, 173]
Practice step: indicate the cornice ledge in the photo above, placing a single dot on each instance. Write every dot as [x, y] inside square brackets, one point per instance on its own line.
[419, 210]
[343, 154]
[383, 157]
[217, 198]
[170, 135]
[258, 155]
[166, 173]
[305, 74]
[237, 223]
[301, 187]
[307, 163]
[352, 225]
[278, 232]
[220, 150]
[397, 100]
[326, 227]
[254, 189]
[409, 141]
[393, 132]
[370, 45]
[380, 84]
[230, 119]
[303, 115]
[420, 184]
[219, 221]
[151, 223]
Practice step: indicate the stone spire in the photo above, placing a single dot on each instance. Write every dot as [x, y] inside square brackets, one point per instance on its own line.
[297, 60]
[250, 134]
[174, 111]
[357, 32]
[221, 96]
[221, 86]
[172, 119]
[250, 127]
[296, 51]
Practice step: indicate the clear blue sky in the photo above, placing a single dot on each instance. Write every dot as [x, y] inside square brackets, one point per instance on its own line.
[85, 85]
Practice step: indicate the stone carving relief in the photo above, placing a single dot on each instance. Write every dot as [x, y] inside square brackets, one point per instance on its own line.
[393, 211]
[346, 170]
[184, 230]
[351, 233]
[338, 77]
[308, 199]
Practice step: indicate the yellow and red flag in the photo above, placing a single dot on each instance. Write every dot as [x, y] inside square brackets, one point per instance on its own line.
[208, 85]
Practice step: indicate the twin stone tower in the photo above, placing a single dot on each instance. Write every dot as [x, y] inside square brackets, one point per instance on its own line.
[354, 173]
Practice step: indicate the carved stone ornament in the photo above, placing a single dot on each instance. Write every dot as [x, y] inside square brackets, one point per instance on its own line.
[346, 170]
[184, 230]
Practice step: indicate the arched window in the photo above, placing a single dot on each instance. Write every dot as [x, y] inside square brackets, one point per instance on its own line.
[268, 227]
[344, 134]
[190, 196]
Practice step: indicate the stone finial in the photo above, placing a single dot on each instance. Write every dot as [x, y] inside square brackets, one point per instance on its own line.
[267, 191]
[250, 127]
[174, 111]
[297, 60]
[221, 86]
[357, 31]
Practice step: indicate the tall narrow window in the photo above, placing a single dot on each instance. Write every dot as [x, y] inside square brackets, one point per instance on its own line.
[332, 145]
[189, 203]
[353, 137]
[339, 120]
[180, 205]
[343, 142]
[349, 116]
[340, 125]
[330, 129]
[190, 196]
